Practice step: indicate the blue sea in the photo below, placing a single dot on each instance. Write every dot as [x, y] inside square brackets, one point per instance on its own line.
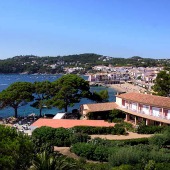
[7, 79]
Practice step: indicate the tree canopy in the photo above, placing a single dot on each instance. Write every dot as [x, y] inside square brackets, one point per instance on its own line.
[162, 84]
[15, 95]
[42, 91]
[101, 96]
[69, 89]
[16, 149]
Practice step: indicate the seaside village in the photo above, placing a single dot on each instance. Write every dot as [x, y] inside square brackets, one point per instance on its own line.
[133, 86]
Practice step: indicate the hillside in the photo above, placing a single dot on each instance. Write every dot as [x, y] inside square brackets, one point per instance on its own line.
[50, 65]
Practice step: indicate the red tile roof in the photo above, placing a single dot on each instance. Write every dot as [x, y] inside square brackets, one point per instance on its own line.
[68, 123]
[101, 106]
[147, 99]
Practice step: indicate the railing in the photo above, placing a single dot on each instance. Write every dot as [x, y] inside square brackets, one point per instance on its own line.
[142, 112]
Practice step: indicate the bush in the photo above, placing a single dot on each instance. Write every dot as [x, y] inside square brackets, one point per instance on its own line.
[91, 151]
[43, 134]
[79, 137]
[127, 155]
[124, 167]
[117, 120]
[144, 129]
[85, 150]
[45, 137]
[62, 137]
[99, 130]
[162, 166]
[115, 115]
[101, 154]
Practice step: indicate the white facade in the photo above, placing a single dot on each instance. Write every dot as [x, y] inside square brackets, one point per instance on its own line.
[145, 109]
[155, 111]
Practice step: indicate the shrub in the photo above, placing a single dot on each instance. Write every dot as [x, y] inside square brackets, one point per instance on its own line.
[79, 137]
[99, 130]
[91, 151]
[144, 129]
[43, 134]
[116, 120]
[127, 155]
[116, 115]
[85, 150]
[101, 154]
[62, 137]
[124, 167]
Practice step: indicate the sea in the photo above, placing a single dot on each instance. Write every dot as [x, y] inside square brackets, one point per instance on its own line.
[7, 79]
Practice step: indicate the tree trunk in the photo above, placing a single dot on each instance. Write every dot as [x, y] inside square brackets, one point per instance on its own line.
[40, 115]
[16, 112]
[65, 108]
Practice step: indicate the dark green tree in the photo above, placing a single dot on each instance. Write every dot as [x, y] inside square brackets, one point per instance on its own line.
[101, 96]
[162, 84]
[42, 92]
[15, 95]
[69, 89]
[16, 149]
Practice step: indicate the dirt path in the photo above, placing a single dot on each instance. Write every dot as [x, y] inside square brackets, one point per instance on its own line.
[65, 151]
[131, 135]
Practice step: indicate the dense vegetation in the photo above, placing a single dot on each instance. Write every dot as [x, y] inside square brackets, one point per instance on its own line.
[162, 83]
[66, 137]
[34, 64]
[136, 153]
[18, 151]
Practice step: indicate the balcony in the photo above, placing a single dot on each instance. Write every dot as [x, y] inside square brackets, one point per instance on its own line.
[142, 114]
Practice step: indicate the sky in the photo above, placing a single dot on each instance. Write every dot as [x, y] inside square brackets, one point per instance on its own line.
[116, 28]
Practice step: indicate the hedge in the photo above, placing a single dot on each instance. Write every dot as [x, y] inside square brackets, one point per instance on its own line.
[99, 130]
[144, 129]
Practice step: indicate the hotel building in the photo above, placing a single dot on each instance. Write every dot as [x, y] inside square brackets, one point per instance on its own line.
[144, 107]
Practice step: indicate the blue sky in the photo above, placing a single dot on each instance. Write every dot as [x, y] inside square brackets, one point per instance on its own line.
[117, 28]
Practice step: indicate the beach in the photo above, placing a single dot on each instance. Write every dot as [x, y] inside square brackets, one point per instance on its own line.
[127, 87]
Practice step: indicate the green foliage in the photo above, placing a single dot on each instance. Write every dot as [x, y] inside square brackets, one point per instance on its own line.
[16, 149]
[42, 91]
[128, 126]
[84, 150]
[150, 165]
[116, 116]
[69, 89]
[132, 142]
[62, 137]
[161, 140]
[162, 166]
[124, 167]
[34, 64]
[101, 96]
[128, 155]
[162, 84]
[79, 137]
[45, 136]
[82, 164]
[144, 129]
[15, 95]
[99, 130]
[43, 139]
[45, 161]
[90, 151]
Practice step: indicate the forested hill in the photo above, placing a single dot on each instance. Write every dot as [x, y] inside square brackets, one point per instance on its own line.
[35, 64]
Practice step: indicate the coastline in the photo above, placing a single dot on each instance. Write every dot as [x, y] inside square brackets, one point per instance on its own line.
[127, 87]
